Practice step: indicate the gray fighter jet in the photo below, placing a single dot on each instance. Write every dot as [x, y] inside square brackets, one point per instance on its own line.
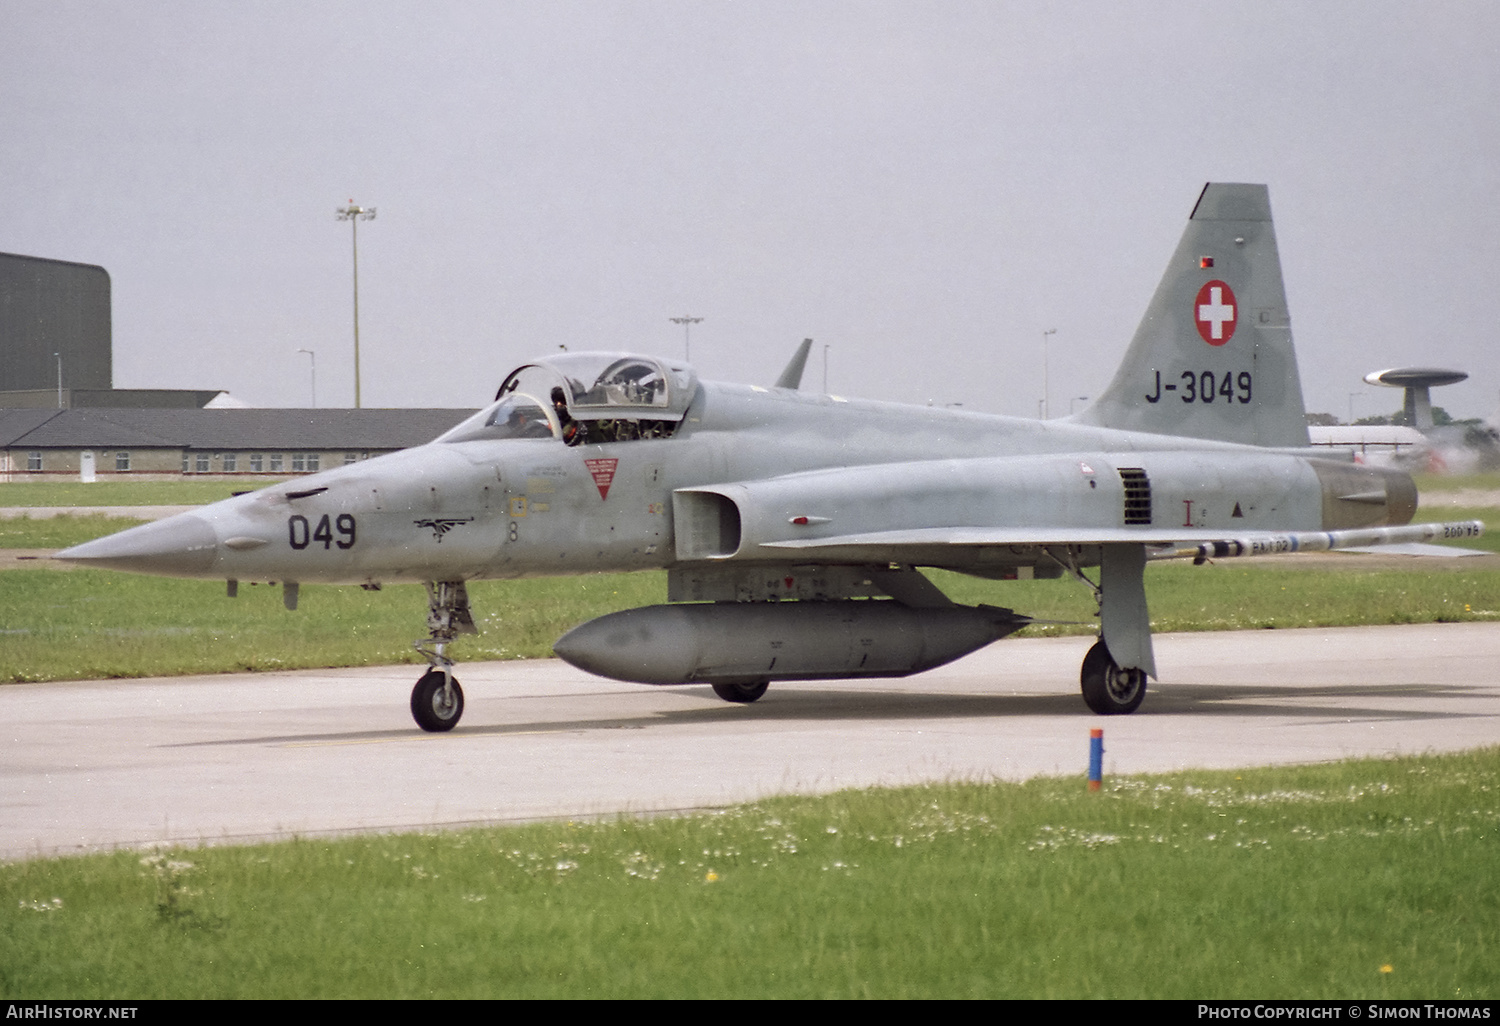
[792, 525]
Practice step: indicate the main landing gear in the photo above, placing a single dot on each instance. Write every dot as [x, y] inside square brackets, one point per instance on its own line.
[1124, 628]
[1107, 689]
[437, 701]
[741, 692]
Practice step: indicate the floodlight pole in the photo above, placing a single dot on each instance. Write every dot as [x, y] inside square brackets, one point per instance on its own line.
[313, 357]
[354, 215]
[687, 326]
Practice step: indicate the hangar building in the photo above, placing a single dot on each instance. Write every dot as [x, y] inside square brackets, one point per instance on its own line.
[103, 443]
[60, 414]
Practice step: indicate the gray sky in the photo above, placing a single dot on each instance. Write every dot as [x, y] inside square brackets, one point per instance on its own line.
[922, 186]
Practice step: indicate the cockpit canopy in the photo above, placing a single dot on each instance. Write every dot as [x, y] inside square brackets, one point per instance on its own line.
[609, 385]
[586, 397]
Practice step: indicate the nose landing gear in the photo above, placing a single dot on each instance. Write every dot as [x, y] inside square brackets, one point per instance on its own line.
[437, 701]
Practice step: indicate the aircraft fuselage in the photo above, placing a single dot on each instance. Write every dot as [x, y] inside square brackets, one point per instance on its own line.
[521, 507]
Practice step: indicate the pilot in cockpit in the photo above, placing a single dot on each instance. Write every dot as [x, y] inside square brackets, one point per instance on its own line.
[572, 431]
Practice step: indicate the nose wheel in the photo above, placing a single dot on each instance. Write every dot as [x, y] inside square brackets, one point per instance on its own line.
[437, 701]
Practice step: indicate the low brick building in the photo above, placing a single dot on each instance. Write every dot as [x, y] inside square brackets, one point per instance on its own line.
[115, 443]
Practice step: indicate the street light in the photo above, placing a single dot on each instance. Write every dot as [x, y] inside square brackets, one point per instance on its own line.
[354, 215]
[1046, 386]
[687, 326]
[59, 379]
[313, 357]
[825, 368]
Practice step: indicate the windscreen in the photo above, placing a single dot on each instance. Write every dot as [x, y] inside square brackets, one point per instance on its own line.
[518, 415]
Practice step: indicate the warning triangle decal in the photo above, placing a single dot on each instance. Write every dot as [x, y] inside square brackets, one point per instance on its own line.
[603, 472]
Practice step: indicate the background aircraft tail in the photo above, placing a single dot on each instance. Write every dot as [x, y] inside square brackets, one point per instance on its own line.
[1213, 357]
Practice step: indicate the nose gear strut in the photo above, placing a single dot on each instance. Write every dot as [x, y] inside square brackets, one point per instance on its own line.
[437, 701]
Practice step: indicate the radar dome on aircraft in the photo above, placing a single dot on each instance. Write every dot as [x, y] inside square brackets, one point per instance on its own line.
[1417, 405]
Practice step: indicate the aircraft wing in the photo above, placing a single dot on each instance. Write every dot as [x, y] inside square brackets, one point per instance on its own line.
[1182, 543]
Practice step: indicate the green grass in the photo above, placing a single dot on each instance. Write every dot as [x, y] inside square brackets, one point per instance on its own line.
[1368, 879]
[1486, 481]
[85, 624]
[122, 493]
[25, 532]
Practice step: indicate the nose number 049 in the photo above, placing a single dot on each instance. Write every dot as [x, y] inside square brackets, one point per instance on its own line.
[301, 533]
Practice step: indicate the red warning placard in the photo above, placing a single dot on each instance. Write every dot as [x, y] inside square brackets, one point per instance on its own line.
[603, 472]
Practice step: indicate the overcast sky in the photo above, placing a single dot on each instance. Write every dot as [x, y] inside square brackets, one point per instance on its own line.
[924, 187]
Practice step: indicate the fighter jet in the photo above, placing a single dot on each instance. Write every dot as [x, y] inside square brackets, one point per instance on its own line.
[794, 527]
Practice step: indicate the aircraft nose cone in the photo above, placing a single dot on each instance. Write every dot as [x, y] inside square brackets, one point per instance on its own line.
[184, 545]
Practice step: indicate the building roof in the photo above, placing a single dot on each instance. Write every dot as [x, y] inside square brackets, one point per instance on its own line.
[272, 430]
[19, 423]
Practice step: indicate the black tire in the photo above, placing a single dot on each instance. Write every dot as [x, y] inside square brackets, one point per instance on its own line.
[427, 706]
[741, 692]
[1107, 689]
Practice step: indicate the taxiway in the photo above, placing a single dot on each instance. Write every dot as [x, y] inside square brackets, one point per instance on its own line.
[236, 758]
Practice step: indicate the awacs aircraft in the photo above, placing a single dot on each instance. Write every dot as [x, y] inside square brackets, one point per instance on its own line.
[792, 526]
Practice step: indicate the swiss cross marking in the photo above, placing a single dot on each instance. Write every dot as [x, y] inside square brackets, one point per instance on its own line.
[1216, 312]
[603, 472]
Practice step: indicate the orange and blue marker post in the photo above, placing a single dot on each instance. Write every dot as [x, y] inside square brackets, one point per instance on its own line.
[1096, 758]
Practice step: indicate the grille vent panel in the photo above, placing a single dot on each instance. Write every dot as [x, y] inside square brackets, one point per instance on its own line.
[1137, 496]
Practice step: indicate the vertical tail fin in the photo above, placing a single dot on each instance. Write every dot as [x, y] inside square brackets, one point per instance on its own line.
[1213, 357]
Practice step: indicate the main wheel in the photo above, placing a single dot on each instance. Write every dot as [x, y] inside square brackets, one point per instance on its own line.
[741, 692]
[1107, 689]
[431, 708]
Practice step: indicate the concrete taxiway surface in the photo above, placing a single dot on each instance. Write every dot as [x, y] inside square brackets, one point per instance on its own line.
[100, 764]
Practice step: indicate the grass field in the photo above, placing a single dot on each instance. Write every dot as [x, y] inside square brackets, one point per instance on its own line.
[1488, 482]
[1367, 879]
[81, 624]
[27, 532]
[1355, 880]
[84, 624]
[122, 493]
